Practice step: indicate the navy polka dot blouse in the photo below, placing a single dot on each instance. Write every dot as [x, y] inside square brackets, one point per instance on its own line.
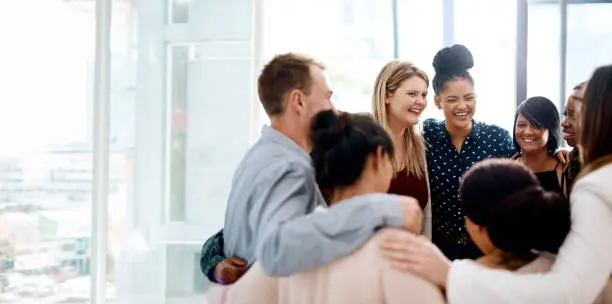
[446, 167]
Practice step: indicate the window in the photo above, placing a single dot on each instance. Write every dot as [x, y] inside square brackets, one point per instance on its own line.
[353, 47]
[544, 51]
[493, 47]
[420, 31]
[183, 109]
[45, 161]
[588, 40]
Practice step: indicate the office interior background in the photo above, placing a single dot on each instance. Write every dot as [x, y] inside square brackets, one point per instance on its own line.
[182, 111]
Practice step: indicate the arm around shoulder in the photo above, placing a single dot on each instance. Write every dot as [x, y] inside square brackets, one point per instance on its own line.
[293, 240]
[581, 269]
[212, 254]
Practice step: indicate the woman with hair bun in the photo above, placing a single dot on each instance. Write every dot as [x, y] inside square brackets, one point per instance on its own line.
[511, 217]
[454, 145]
[352, 155]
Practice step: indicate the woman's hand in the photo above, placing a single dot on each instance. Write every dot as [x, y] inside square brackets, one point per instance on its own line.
[230, 270]
[412, 213]
[416, 254]
[563, 156]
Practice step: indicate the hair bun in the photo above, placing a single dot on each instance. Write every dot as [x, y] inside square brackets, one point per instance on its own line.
[454, 58]
[328, 127]
[531, 219]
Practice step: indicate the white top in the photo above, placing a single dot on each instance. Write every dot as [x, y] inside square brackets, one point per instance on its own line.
[580, 272]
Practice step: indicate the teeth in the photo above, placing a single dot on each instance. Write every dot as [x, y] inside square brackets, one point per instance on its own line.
[528, 140]
[461, 114]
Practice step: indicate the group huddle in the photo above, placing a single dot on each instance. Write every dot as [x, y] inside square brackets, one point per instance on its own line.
[335, 207]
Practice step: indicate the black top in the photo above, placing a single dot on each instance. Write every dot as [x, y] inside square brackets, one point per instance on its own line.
[550, 180]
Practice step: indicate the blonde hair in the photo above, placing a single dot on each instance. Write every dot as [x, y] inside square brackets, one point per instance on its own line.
[388, 81]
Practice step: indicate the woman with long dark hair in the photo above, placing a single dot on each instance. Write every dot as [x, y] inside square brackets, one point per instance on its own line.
[537, 136]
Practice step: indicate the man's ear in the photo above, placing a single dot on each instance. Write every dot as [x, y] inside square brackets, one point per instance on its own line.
[295, 100]
[437, 102]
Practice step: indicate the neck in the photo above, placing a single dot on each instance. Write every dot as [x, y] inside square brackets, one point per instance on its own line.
[292, 130]
[536, 160]
[343, 193]
[397, 131]
[498, 259]
[458, 133]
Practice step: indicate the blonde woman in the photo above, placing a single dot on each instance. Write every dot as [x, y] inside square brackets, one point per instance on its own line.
[400, 96]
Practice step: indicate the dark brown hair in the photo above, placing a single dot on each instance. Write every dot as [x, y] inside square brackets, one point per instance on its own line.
[341, 144]
[280, 76]
[595, 138]
[520, 216]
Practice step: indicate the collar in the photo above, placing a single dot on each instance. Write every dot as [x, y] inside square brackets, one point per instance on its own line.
[270, 134]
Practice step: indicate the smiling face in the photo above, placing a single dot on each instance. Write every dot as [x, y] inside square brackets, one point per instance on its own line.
[570, 122]
[529, 137]
[406, 104]
[458, 102]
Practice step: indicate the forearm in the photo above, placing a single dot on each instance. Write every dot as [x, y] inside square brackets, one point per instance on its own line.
[212, 254]
[318, 238]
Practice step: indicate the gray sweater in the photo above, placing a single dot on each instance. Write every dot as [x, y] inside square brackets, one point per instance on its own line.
[269, 216]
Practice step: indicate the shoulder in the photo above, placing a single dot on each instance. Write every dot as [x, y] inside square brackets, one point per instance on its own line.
[432, 129]
[286, 168]
[597, 183]
[431, 124]
[493, 131]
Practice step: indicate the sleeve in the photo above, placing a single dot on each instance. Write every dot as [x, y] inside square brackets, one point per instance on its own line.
[580, 272]
[212, 254]
[290, 240]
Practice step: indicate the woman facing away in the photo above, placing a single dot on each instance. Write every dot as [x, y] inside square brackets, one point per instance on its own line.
[514, 221]
[352, 155]
[537, 136]
[399, 98]
[583, 265]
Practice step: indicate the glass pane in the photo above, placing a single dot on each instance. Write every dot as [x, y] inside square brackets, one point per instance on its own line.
[45, 160]
[186, 110]
[544, 50]
[178, 57]
[354, 39]
[589, 29]
[494, 54]
[420, 46]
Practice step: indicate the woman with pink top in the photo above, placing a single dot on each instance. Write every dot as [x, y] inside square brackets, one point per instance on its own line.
[352, 155]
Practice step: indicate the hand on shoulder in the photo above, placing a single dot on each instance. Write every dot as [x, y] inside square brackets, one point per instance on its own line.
[412, 214]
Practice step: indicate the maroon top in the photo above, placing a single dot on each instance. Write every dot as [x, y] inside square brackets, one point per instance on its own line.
[410, 185]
